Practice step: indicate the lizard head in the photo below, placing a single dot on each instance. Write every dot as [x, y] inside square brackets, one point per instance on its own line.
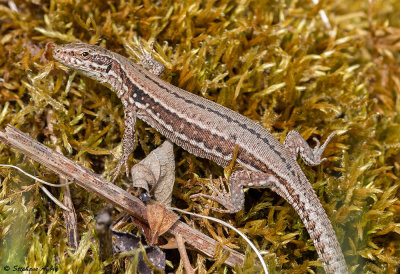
[89, 60]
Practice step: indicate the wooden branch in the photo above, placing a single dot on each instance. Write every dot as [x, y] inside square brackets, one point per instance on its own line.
[108, 191]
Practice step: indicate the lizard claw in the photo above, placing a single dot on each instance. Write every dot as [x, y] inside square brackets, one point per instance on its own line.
[221, 198]
[117, 169]
[318, 149]
[148, 62]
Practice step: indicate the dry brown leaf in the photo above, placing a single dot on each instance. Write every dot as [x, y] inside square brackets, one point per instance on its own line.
[160, 220]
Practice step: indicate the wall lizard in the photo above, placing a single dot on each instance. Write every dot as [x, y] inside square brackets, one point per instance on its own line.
[209, 130]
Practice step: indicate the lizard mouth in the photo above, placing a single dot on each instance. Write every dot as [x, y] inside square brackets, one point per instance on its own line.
[58, 54]
[61, 55]
[67, 57]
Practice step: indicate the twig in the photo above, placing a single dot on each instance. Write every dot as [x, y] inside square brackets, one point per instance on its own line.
[264, 266]
[182, 251]
[106, 190]
[70, 218]
[104, 233]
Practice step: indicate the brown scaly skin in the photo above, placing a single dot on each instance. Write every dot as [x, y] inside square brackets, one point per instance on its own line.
[212, 131]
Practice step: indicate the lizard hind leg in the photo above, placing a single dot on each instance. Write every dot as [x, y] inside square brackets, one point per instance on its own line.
[222, 198]
[234, 201]
[296, 144]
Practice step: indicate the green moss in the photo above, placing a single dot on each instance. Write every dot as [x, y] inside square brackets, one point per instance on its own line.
[274, 61]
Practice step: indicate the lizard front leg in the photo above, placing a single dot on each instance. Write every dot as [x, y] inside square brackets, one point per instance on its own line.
[234, 201]
[296, 144]
[155, 67]
[149, 63]
[128, 142]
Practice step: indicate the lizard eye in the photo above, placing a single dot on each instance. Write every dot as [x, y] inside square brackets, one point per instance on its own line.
[85, 54]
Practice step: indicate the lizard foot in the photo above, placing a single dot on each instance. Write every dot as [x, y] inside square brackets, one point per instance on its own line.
[222, 198]
[115, 172]
[295, 144]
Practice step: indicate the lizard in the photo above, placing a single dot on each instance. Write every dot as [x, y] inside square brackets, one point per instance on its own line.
[209, 130]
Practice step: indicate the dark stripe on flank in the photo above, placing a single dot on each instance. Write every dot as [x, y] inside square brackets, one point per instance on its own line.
[229, 120]
[193, 131]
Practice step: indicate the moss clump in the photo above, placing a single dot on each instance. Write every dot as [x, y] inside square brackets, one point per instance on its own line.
[276, 62]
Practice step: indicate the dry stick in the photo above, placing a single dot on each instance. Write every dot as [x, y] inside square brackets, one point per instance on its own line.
[104, 234]
[106, 190]
[70, 219]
